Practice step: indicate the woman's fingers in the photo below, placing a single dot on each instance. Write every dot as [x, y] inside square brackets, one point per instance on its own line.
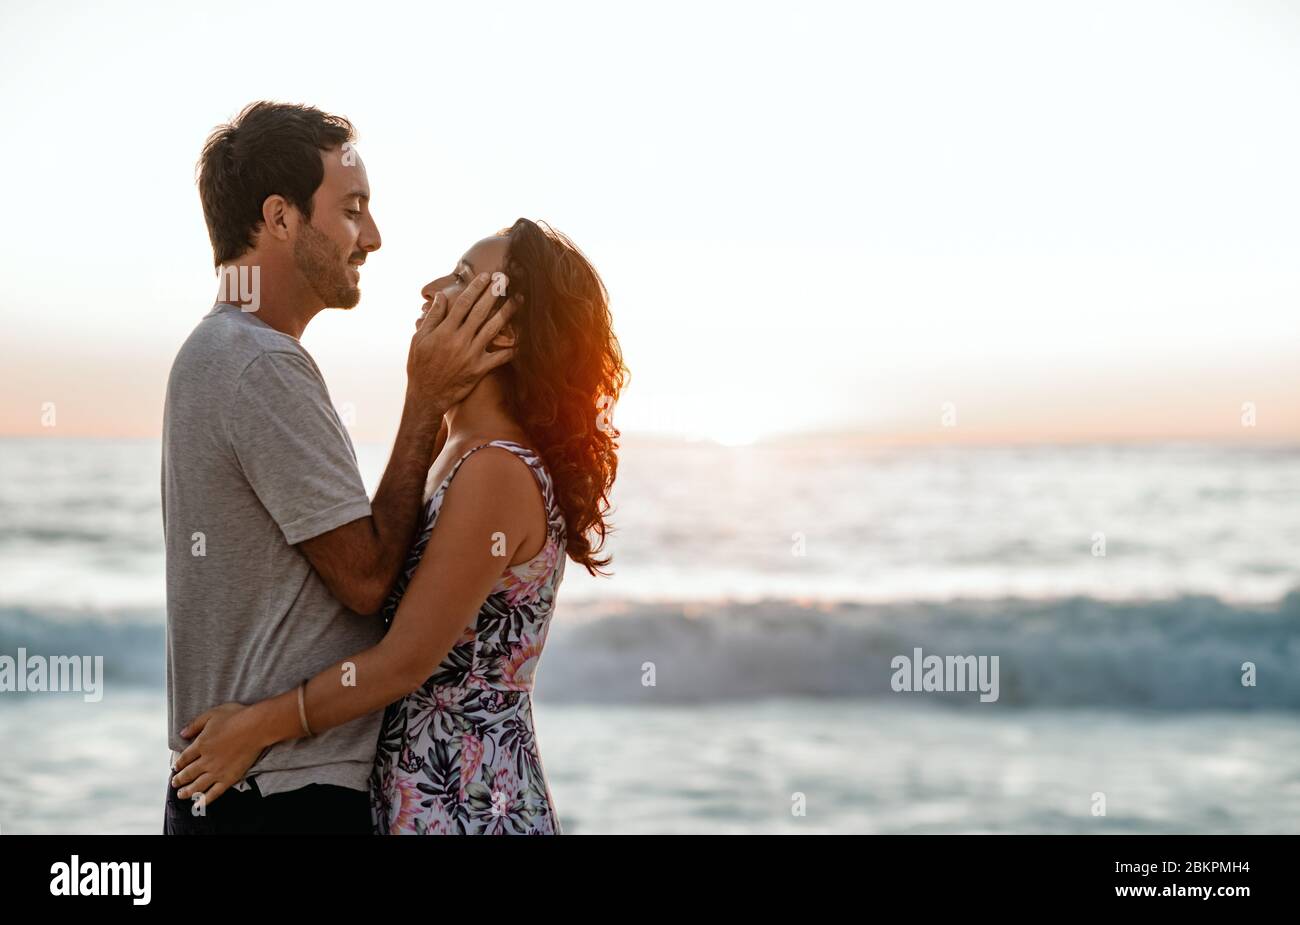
[203, 783]
[196, 725]
[191, 752]
[188, 773]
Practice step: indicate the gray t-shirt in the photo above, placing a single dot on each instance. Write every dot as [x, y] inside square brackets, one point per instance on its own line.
[254, 461]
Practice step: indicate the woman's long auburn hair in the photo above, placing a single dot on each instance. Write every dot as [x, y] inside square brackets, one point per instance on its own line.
[565, 376]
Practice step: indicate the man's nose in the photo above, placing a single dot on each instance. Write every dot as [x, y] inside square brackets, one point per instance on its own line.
[369, 239]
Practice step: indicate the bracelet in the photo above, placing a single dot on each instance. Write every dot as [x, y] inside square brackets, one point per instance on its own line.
[302, 707]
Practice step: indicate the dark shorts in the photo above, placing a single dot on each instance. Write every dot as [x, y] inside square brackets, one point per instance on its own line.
[317, 809]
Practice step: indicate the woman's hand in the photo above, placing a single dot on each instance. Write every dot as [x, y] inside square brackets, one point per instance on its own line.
[226, 747]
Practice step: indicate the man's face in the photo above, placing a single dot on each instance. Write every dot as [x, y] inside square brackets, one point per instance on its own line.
[330, 249]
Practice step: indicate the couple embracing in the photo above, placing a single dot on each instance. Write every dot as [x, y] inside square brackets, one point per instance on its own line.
[345, 664]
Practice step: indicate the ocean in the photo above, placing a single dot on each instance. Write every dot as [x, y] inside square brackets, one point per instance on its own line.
[1142, 602]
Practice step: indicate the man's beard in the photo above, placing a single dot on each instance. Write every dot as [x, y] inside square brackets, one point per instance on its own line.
[323, 266]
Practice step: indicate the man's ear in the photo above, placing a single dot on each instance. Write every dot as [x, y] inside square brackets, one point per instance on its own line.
[279, 218]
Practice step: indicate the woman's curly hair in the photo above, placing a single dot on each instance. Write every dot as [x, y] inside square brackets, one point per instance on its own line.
[566, 375]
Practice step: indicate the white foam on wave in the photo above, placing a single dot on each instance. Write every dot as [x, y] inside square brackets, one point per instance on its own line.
[1181, 653]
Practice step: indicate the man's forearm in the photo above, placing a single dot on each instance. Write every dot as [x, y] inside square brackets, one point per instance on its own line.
[395, 509]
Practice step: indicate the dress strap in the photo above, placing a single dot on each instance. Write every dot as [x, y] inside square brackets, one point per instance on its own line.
[529, 457]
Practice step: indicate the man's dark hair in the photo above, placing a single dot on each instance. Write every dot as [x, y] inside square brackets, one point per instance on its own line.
[268, 149]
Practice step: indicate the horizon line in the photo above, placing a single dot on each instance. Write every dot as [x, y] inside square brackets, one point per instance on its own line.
[861, 437]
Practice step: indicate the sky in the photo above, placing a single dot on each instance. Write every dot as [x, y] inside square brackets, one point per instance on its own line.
[953, 221]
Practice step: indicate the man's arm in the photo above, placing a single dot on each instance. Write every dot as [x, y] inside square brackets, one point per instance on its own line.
[360, 561]
[493, 494]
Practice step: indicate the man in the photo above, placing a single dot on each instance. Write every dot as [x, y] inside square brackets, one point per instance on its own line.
[276, 558]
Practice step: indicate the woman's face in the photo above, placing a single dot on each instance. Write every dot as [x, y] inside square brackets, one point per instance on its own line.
[487, 256]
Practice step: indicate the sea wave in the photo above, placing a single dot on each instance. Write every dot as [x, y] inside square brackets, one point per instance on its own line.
[1183, 653]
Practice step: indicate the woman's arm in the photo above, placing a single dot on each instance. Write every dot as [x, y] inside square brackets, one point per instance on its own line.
[493, 494]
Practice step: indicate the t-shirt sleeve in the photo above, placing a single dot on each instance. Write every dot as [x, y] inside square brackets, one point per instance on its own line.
[291, 445]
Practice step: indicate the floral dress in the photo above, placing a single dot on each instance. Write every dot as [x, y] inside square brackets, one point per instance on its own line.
[459, 756]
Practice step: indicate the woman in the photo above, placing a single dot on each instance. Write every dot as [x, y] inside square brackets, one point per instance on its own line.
[522, 480]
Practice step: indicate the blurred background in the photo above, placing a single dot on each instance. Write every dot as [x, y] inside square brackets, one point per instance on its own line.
[920, 301]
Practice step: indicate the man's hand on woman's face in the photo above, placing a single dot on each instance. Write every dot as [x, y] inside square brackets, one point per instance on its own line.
[449, 352]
